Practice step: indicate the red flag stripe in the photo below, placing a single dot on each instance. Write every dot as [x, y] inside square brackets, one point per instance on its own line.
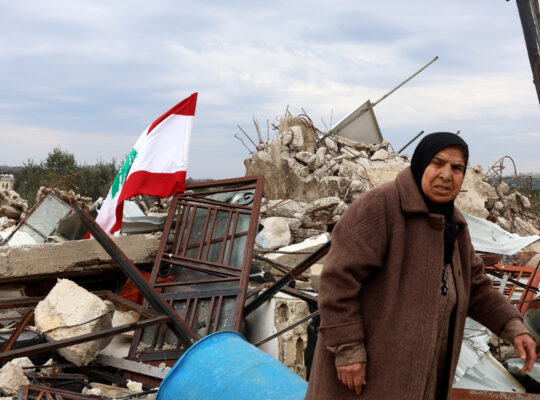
[150, 183]
[185, 107]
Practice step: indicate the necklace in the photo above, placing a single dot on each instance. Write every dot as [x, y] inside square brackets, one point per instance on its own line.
[444, 287]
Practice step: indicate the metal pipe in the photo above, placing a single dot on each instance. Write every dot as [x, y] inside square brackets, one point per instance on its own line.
[177, 325]
[301, 267]
[410, 141]
[403, 83]
[292, 326]
[23, 323]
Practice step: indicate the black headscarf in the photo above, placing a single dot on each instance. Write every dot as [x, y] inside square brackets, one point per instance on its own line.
[424, 152]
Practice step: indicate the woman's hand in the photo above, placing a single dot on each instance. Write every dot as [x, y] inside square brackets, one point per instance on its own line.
[526, 348]
[353, 376]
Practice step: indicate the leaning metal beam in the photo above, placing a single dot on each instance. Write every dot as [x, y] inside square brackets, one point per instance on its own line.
[20, 328]
[57, 344]
[529, 14]
[177, 324]
[301, 267]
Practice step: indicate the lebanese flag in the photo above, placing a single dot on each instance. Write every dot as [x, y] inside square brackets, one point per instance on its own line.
[156, 165]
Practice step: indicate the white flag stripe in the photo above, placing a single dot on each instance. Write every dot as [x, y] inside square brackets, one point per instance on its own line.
[165, 149]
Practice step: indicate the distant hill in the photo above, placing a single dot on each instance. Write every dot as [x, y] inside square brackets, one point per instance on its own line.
[535, 181]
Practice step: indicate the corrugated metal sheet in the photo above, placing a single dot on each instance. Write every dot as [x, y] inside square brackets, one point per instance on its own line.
[491, 238]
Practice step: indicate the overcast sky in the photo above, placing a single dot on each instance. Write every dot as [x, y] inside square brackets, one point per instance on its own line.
[90, 76]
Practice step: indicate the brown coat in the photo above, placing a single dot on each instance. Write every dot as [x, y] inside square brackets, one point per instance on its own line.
[379, 285]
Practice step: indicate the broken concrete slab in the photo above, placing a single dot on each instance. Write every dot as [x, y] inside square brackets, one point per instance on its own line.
[12, 378]
[23, 362]
[302, 133]
[72, 258]
[68, 311]
[276, 233]
[380, 155]
[124, 317]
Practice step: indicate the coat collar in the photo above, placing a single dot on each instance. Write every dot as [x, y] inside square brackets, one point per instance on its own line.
[411, 199]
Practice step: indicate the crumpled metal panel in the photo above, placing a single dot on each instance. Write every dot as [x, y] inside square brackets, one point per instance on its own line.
[491, 238]
[42, 220]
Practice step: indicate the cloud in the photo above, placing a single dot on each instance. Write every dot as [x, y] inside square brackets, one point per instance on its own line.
[90, 76]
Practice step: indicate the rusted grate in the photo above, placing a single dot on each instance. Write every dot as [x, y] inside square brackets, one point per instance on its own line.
[515, 288]
[206, 248]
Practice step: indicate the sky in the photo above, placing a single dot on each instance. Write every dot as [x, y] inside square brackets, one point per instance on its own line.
[90, 76]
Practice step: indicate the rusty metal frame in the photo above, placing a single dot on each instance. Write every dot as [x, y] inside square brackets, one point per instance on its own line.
[34, 392]
[517, 273]
[150, 318]
[495, 175]
[203, 274]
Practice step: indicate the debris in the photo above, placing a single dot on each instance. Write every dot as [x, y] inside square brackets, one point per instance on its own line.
[94, 392]
[124, 317]
[71, 258]
[301, 267]
[12, 206]
[138, 367]
[23, 362]
[531, 380]
[489, 237]
[12, 378]
[361, 125]
[278, 313]
[135, 386]
[69, 311]
[276, 233]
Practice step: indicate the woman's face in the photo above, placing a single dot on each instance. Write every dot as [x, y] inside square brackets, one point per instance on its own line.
[443, 176]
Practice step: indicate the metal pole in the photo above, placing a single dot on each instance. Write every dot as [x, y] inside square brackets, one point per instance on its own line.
[281, 332]
[301, 267]
[529, 14]
[177, 324]
[410, 141]
[404, 82]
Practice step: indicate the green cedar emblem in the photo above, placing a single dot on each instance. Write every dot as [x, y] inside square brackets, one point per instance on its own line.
[123, 172]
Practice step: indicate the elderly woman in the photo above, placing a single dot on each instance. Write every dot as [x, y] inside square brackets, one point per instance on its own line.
[399, 281]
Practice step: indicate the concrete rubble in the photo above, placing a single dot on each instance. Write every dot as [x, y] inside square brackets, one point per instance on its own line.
[71, 258]
[70, 310]
[13, 208]
[12, 378]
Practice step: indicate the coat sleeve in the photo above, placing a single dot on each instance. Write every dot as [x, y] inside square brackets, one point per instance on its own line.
[359, 242]
[486, 305]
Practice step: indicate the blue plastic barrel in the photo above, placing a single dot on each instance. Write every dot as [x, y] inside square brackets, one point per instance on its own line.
[224, 366]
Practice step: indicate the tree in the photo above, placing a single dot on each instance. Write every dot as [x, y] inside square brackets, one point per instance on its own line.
[60, 170]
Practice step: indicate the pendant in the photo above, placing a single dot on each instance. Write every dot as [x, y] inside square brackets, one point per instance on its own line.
[444, 287]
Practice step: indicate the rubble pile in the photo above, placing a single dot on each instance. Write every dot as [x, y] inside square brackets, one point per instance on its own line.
[67, 196]
[512, 211]
[13, 208]
[310, 179]
[299, 166]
